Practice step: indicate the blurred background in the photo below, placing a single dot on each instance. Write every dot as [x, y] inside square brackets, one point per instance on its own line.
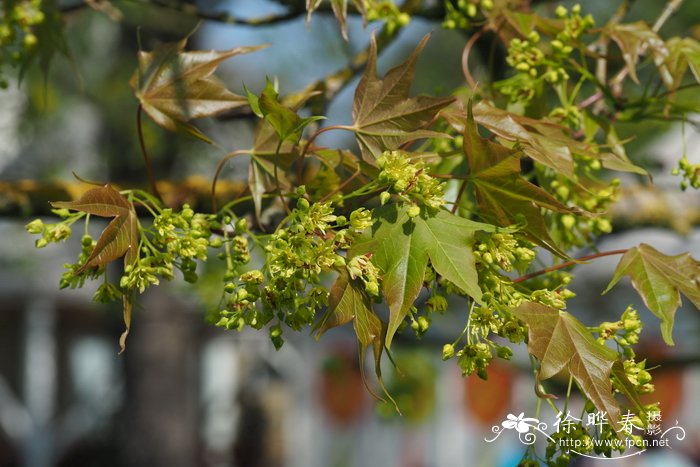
[187, 394]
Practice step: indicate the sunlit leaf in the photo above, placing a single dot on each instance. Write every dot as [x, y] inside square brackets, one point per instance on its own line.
[119, 238]
[174, 86]
[384, 116]
[660, 279]
[561, 343]
[401, 247]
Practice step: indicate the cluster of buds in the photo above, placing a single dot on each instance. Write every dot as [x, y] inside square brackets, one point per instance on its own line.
[410, 181]
[462, 13]
[690, 173]
[361, 267]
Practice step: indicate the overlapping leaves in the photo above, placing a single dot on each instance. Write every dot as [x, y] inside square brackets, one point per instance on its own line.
[561, 343]
[660, 279]
[384, 117]
[504, 196]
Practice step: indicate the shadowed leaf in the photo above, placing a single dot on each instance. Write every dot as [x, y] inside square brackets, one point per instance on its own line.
[174, 86]
[504, 196]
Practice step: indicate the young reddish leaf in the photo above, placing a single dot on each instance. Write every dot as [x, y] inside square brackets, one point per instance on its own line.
[503, 195]
[543, 141]
[120, 237]
[660, 279]
[401, 246]
[349, 302]
[560, 342]
[384, 116]
[174, 86]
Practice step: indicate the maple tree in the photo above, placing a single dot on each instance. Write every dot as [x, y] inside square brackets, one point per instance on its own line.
[453, 196]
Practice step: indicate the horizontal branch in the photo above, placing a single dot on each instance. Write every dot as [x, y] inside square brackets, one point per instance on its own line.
[295, 10]
[26, 198]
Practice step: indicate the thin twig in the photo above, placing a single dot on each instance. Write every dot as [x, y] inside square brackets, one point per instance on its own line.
[147, 161]
[219, 168]
[460, 193]
[671, 7]
[312, 138]
[465, 58]
[556, 267]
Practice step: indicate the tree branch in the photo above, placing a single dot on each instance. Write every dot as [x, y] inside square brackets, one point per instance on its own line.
[567, 264]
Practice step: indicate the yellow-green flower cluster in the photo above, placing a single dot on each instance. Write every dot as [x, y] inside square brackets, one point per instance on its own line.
[17, 39]
[462, 13]
[411, 181]
[504, 251]
[690, 173]
[576, 230]
[183, 235]
[387, 11]
[50, 233]
[361, 267]
[288, 286]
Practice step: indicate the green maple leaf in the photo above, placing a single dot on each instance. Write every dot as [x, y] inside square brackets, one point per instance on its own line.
[660, 279]
[401, 247]
[561, 343]
[119, 238]
[504, 196]
[174, 86]
[384, 116]
[275, 140]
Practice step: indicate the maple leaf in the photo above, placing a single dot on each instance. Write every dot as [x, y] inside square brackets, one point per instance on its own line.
[660, 279]
[682, 54]
[384, 116]
[560, 342]
[347, 302]
[174, 86]
[119, 238]
[401, 247]
[633, 39]
[275, 140]
[503, 195]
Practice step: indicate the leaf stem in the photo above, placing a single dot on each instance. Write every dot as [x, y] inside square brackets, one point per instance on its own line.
[219, 168]
[312, 138]
[556, 267]
[149, 167]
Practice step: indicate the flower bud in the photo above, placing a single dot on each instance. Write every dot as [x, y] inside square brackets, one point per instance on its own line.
[448, 351]
[35, 227]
